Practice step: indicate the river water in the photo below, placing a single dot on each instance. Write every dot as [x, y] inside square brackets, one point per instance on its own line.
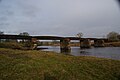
[106, 52]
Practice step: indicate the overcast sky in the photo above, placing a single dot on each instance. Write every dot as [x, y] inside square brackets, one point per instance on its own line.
[94, 18]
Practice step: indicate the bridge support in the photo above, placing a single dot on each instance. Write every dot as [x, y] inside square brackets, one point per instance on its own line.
[34, 43]
[99, 43]
[65, 45]
[85, 43]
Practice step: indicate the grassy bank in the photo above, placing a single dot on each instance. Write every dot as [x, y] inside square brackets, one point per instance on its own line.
[113, 44]
[16, 45]
[12, 45]
[38, 65]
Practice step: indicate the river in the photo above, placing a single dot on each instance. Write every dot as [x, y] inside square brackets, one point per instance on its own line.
[105, 52]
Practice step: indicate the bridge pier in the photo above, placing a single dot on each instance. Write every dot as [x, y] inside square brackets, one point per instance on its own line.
[99, 43]
[85, 43]
[65, 45]
[34, 43]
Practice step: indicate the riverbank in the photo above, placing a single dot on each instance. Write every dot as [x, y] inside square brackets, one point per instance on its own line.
[43, 65]
[112, 44]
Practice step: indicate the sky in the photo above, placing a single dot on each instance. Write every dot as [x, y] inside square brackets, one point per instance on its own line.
[94, 18]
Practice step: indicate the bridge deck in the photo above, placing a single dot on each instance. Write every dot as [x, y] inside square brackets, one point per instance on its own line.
[48, 37]
[44, 37]
[14, 37]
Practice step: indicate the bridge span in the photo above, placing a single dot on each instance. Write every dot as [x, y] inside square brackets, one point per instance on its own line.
[45, 37]
[64, 41]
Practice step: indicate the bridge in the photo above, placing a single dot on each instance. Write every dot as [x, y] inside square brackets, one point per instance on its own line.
[45, 37]
[64, 41]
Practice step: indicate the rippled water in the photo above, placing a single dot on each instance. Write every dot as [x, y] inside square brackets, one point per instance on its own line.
[106, 52]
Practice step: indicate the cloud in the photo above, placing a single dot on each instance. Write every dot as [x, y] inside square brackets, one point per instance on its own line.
[60, 17]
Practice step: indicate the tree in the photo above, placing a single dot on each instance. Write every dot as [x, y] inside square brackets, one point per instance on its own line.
[1, 33]
[79, 35]
[118, 36]
[24, 34]
[113, 36]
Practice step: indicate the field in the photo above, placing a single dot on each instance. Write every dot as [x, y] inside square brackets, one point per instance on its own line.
[38, 65]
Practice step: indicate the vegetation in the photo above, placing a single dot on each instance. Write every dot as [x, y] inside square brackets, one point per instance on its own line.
[113, 36]
[12, 45]
[1, 33]
[38, 65]
[113, 44]
[16, 45]
[79, 35]
[24, 34]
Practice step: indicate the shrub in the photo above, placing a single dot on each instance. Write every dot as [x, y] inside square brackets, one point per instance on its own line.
[13, 45]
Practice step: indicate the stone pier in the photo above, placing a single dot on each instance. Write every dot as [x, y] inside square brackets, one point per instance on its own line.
[99, 43]
[85, 43]
[65, 45]
[34, 43]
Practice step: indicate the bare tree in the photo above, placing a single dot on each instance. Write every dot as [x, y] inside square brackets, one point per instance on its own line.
[24, 34]
[79, 35]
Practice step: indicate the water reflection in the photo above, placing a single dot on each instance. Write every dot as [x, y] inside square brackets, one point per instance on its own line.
[106, 52]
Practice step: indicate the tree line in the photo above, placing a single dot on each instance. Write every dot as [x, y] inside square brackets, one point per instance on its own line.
[111, 36]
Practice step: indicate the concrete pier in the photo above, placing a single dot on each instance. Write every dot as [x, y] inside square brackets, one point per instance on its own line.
[99, 43]
[85, 43]
[65, 45]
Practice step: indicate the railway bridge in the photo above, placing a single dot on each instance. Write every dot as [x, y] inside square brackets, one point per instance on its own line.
[64, 41]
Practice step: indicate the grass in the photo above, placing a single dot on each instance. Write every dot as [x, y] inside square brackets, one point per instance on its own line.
[12, 45]
[113, 44]
[38, 65]
[16, 45]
